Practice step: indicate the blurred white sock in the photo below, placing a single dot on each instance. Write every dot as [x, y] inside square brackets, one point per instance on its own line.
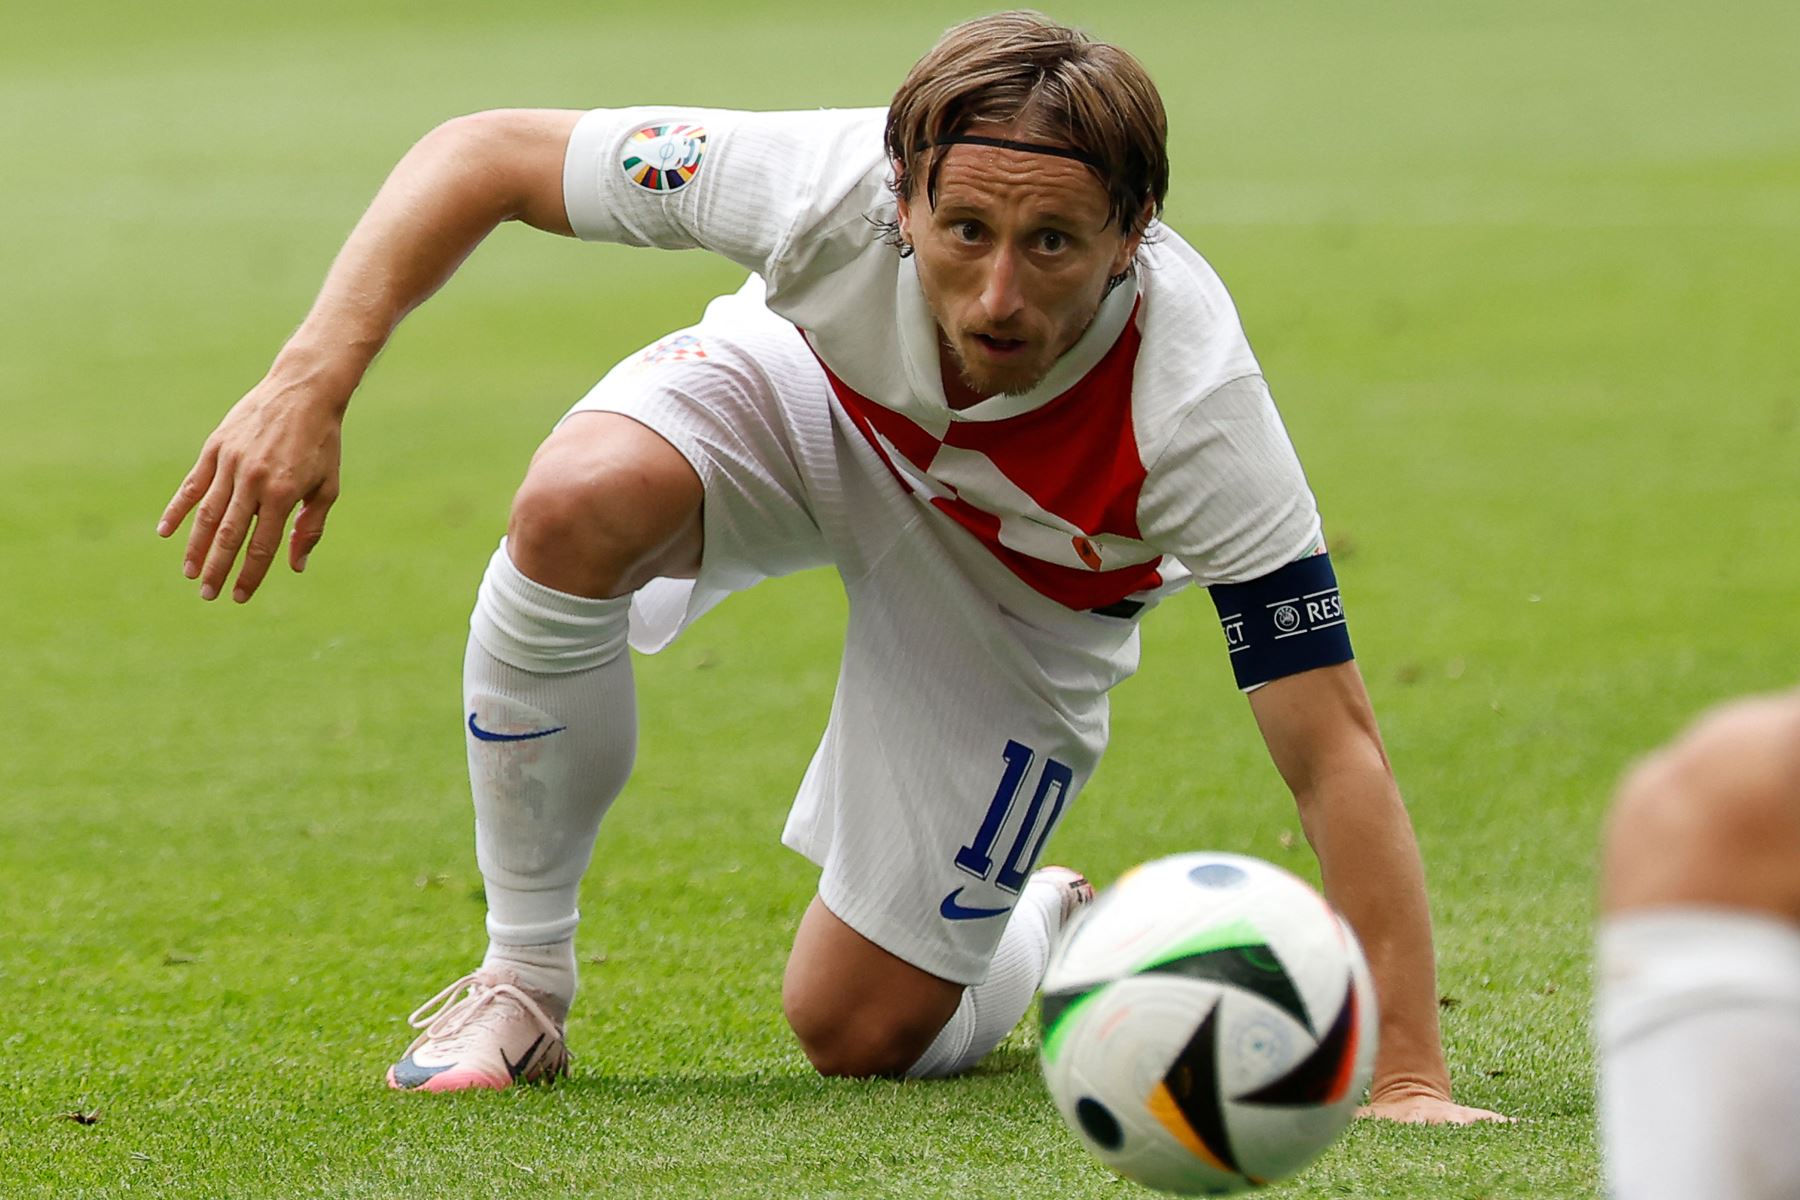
[1698, 1023]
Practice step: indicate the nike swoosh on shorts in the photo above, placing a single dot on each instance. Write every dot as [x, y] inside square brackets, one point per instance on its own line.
[950, 910]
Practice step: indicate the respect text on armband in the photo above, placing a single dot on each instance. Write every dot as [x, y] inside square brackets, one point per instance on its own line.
[1288, 621]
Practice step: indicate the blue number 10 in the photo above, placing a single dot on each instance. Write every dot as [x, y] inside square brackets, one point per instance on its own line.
[977, 857]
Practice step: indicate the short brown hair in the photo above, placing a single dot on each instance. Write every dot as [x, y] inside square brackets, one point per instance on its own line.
[1049, 84]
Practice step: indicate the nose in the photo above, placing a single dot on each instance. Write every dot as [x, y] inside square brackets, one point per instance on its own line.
[1001, 298]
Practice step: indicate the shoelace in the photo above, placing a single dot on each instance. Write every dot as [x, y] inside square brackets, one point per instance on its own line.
[445, 1016]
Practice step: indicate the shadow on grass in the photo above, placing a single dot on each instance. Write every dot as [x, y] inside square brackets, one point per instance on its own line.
[1003, 1068]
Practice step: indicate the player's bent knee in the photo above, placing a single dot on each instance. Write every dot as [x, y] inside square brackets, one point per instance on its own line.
[857, 1009]
[860, 1045]
[606, 506]
[842, 1060]
[1714, 819]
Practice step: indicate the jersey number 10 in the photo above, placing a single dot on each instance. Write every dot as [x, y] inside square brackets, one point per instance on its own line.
[1053, 786]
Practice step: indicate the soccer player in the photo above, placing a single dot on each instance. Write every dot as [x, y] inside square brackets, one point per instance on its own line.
[1698, 996]
[973, 373]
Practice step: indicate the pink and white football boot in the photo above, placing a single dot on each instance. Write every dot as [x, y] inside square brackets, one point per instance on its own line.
[496, 1035]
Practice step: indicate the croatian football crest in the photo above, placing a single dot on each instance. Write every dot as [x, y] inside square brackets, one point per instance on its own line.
[663, 158]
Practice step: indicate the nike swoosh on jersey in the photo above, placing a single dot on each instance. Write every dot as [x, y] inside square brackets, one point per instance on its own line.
[488, 735]
[950, 910]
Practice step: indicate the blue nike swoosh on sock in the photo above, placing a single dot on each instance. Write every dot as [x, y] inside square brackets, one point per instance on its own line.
[490, 736]
[950, 910]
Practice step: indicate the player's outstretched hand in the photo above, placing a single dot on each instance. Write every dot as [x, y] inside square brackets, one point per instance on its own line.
[278, 447]
[1419, 1107]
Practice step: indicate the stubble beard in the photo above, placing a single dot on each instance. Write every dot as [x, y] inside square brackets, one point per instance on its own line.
[995, 384]
[1010, 383]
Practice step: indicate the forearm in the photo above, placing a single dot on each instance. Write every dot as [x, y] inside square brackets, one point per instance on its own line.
[1359, 829]
[448, 193]
[279, 444]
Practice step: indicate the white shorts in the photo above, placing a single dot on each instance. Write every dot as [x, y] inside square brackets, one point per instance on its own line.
[970, 710]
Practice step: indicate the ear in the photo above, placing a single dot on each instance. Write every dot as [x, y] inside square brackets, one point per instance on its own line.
[903, 212]
[1128, 246]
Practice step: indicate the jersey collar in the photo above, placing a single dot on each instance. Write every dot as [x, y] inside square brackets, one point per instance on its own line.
[919, 350]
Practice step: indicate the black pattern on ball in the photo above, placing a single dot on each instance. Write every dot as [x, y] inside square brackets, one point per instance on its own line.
[1193, 1083]
[1099, 1123]
[1055, 1004]
[1254, 968]
[1318, 1078]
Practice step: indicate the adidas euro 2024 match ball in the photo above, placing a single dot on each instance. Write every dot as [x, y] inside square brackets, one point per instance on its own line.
[1208, 1024]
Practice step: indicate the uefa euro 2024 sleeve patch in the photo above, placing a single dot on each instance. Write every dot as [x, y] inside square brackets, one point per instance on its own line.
[663, 158]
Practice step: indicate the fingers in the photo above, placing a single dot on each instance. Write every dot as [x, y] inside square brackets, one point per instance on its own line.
[255, 468]
[189, 493]
[270, 520]
[309, 526]
[228, 538]
[207, 515]
[262, 545]
[238, 502]
[1427, 1111]
[1477, 1116]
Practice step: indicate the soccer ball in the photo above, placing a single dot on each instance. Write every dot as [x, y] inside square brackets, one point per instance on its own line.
[1208, 1024]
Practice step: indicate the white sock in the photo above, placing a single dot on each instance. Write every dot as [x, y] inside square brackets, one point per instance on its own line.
[989, 1009]
[548, 682]
[1698, 1021]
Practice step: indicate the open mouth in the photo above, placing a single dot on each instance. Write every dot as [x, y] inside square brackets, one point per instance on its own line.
[1000, 347]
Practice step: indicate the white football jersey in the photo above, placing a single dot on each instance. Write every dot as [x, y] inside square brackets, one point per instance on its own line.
[1152, 451]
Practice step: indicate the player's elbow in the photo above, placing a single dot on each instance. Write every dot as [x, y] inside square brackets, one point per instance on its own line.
[510, 159]
[471, 138]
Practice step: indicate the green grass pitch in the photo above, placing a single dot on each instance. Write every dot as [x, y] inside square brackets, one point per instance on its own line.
[1523, 277]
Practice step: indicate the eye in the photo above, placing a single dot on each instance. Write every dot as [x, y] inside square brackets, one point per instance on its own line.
[966, 231]
[1053, 241]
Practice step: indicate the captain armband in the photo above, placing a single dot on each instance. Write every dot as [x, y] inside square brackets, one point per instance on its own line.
[1289, 621]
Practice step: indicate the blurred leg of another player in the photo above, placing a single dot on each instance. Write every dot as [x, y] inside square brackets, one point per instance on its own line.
[1698, 994]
